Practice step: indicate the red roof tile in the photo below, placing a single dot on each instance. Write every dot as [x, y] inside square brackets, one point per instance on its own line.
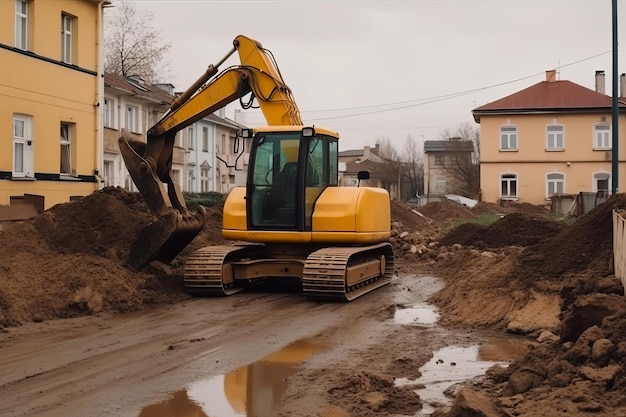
[561, 96]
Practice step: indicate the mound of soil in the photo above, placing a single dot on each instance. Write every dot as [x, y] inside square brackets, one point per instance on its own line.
[70, 261]
[515, 229]
[441, 211]
[579, 367]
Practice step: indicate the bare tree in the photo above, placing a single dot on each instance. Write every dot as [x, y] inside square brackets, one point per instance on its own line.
[463, 162]
[412, 169]
[131, 45]
[386, 150]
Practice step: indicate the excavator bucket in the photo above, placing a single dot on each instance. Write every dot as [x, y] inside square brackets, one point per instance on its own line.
[175, 226]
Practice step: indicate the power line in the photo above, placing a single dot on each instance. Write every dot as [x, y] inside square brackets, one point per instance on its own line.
[429, 100]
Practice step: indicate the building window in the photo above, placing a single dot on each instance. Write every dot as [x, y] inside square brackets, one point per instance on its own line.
[132, 118]
[440, 160]
[440, 184]
[555, 137]
[21, 24]
[204, 179]
[109, 113]
[224, 143]
[205, 139]
[22, 147]
[508, 138]
[67, 43]
[108, 173]
[190, 178]
[601, 182]
[555, 184]
[66, 149]
[602, 136]
[508, 186]
[190, 144]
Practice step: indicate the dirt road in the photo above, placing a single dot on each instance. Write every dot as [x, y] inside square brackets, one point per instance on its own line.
[131, 365]
[80, 334]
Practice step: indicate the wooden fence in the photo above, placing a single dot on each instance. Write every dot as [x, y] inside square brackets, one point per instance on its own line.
[619, 245]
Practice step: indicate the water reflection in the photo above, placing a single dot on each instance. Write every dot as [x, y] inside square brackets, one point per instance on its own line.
[455, 364]
[250, 391]
[418, 314]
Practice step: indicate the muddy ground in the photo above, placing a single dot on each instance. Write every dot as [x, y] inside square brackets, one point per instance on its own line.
[528, 274]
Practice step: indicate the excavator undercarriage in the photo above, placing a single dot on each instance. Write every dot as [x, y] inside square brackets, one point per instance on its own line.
[327, 273]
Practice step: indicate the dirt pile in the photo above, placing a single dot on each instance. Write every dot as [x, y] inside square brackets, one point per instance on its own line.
[69, 261]
[580, 365]
[515, 229]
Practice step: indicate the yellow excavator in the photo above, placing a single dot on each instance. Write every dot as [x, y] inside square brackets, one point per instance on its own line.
[291, 220]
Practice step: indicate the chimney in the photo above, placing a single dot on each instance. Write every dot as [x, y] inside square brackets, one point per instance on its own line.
[600, 82]
[622, 85]
[551, 76]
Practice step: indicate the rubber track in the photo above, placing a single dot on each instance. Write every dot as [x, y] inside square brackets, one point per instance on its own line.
[324, 275]
[203, 271]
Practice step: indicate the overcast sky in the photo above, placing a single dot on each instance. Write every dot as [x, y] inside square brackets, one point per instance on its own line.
[394, 69]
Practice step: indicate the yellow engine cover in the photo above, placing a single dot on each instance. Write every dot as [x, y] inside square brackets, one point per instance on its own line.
[346, 215]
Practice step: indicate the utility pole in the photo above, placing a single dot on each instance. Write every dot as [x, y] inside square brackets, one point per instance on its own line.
[615, 113]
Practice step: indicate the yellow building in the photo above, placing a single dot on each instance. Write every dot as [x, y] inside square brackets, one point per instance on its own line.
[51, 93]
[551, 138]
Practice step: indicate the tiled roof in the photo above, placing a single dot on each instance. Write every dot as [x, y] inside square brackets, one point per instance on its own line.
[143, 91]
[448, 146]
[352, 152]
[386, 171]
[553, 96]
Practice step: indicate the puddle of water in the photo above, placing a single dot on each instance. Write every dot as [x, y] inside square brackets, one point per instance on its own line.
[417, 314]
[249, 391]
[455, 364]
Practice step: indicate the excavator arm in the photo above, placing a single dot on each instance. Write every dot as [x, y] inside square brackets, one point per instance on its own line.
[150, 163]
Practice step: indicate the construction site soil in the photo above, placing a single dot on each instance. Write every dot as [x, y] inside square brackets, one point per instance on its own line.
[528, 273]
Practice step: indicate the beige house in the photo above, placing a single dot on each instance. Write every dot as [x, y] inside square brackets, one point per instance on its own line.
[440, 157]
[51, 96]
[553, 137]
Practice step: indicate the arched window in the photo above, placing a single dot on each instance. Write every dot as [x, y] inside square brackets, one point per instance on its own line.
[601, 182]
[508, 186]
[555, 184]
[555, 137]
[508, 138]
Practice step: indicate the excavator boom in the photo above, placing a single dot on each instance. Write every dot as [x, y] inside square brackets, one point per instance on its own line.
[150, 163]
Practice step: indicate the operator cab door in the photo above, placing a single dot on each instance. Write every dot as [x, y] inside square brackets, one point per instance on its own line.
[287, 174]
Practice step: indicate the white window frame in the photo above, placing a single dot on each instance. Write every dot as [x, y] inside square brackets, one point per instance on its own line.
[440, 184]
[22, 139]
[602, 136]
[601, 176]
[509, 178]
[555, 137]
[65, 153]
[108, 113]
[508, 138]
[204, 179]
[132, 118]
[108, 173]
[205, 139]
[190, 181]
[555, 183]
[67, 38]
[21, 24]
[190, 138]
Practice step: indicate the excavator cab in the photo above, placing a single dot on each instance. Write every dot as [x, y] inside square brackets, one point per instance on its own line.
[288, 170]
